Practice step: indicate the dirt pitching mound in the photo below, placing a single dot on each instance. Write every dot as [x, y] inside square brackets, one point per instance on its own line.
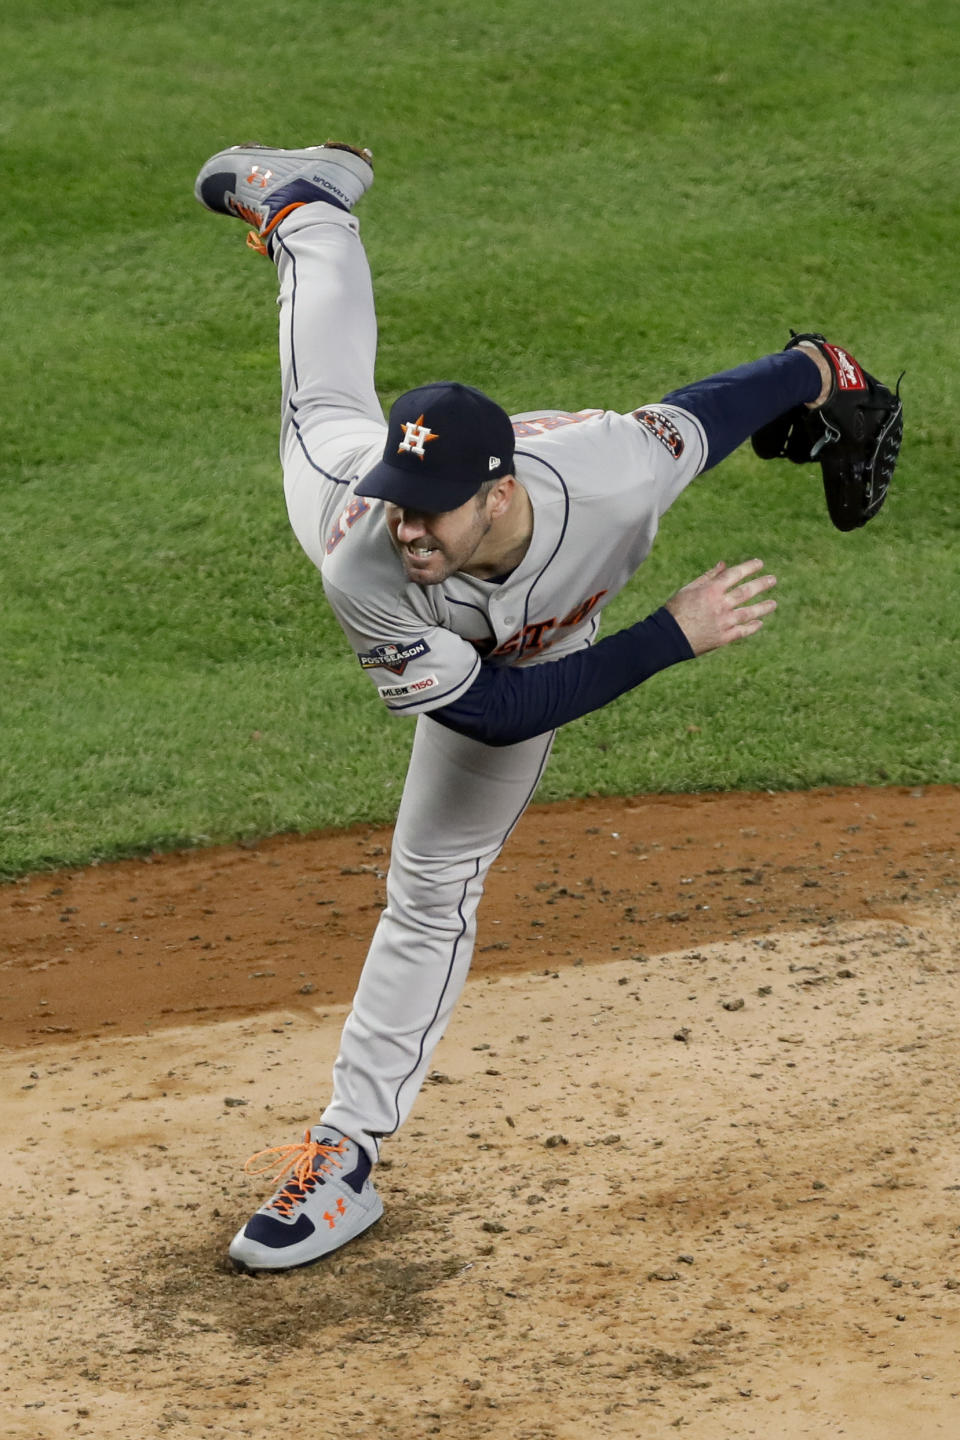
[687, 1160]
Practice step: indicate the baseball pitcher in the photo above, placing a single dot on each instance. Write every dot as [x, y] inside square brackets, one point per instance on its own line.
[468, 556]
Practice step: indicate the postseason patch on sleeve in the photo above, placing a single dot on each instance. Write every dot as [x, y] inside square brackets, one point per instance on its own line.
[394, 658]
[662, 428]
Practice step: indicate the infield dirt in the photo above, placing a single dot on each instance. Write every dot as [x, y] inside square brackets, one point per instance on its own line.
[687, 1161]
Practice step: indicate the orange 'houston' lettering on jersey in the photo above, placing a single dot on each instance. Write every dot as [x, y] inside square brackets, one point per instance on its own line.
[534, 636]
[580, 613]
[541, 424]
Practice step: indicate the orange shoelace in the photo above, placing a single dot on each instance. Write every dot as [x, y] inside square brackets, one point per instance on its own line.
[298, 1162]
[257, 239]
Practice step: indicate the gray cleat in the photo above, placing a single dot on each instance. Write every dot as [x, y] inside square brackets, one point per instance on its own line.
[327, 1199]
[261, 185]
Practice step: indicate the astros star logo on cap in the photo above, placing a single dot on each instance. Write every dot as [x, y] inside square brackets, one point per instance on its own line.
[415, 436]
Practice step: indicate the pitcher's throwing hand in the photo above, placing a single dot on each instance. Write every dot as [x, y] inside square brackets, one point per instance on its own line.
[716, 608]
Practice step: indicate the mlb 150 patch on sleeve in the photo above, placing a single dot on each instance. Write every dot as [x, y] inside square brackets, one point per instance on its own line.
[399, 692]
[394, 658]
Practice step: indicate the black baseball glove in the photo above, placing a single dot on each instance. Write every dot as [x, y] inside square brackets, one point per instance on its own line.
[855, 436]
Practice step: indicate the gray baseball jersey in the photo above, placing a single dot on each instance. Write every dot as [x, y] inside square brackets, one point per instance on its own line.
[598, 482]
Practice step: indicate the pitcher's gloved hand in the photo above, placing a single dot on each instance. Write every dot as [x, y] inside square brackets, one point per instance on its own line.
[854, 435]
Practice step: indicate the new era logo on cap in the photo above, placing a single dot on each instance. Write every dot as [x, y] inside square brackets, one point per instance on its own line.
[459, 439]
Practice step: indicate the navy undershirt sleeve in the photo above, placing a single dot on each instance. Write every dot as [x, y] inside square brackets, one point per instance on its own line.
[735, 404]
[506, 704]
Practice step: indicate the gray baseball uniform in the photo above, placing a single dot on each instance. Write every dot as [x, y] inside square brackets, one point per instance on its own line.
[598, 482]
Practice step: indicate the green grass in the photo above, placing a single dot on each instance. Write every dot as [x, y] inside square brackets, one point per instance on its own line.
[579, 206]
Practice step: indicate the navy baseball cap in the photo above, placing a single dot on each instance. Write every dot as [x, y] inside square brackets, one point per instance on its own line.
[443, 441]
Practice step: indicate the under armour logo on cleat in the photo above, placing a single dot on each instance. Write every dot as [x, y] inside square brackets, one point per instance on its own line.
[259, 177]
[340, 1208]
[415, 436]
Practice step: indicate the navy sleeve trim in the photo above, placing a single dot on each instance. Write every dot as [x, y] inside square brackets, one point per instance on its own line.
[505, 705]
[734, 404]
[418, 703]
